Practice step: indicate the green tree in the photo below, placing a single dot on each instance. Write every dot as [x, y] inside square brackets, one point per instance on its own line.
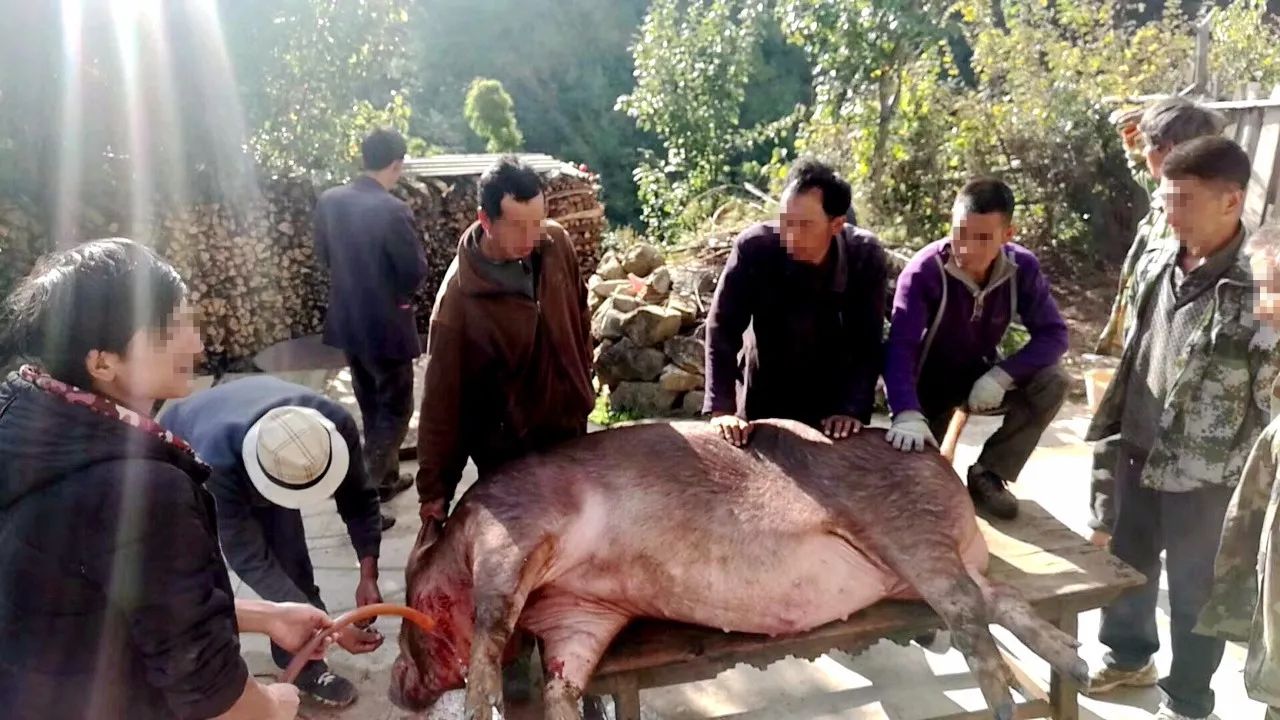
[491, 115]
[692, 65]
[325, 72]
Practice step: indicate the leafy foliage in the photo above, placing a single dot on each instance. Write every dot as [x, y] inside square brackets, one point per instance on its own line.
[334, 72]
[491, 115]
[1245, 39]
[693, 63]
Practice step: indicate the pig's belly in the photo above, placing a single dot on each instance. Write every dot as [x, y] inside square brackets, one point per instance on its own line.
[785, 586]
[773, 585]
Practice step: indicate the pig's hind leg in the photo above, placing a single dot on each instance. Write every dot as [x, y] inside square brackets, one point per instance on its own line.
[1011, 610]
[503, 577]
[942, 581]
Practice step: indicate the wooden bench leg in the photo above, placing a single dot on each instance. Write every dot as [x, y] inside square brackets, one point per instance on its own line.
[626, 700]
[1063, 691]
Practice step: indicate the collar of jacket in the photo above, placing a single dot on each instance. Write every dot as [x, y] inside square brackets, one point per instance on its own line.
[364, 182]
[473, 282]
[1001, 271]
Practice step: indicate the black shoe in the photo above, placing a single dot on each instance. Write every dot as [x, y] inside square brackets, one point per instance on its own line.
[389, 491]
[989, 493]
[388, 522]
[326, 688]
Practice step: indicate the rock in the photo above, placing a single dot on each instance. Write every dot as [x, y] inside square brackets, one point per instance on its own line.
[607, 322]
[594, 302]
[651, 325]
[679, 380]
[686, 307]
[643, 398]
[610, 268]
[700, 332]
[660, 281]
[694, 280]
[605, 288]
[687, 353]
[691, 404]
[625, 303]
[624, 361]
[642, 259]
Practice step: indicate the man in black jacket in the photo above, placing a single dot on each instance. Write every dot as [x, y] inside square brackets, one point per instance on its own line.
[366, 238]
[276, 447]
[796, 326]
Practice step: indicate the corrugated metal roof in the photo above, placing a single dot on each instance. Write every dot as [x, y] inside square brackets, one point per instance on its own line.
[462, 165]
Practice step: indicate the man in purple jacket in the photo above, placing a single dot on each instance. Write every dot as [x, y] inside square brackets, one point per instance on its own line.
[952, 306]
[796, 326]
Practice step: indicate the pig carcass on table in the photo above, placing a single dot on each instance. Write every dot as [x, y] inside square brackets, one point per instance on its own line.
[669, 521]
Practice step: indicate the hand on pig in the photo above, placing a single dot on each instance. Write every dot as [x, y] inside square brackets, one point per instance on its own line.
[733, 428]
[840, 426]
[358, 640]
[910, 432]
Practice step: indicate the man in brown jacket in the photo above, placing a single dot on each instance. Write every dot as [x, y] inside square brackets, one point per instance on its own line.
[509, 345]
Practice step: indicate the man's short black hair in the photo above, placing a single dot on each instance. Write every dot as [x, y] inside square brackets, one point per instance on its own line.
[508, 176]
[95, 296]
[1212, 158]
[985, 195]
[381, 148]
[809, 174]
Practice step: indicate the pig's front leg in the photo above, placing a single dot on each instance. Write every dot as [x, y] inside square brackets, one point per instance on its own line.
[503, 576]
[574, 636]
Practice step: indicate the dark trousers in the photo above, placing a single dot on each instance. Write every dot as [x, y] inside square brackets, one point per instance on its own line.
[1186, 526]
[287, 541]
[384, 391]
[1027, 409]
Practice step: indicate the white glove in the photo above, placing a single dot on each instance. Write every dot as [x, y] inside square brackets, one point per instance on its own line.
[910, 432]
[988, 392]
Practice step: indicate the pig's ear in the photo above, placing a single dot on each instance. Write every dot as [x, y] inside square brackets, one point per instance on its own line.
[428, 535]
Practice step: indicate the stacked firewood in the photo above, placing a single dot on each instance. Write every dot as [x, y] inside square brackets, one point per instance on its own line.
[250, 268]
[573, 201]
[250, 265]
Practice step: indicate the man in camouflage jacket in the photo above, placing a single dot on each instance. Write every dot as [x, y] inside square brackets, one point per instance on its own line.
[1191, 395]
[1245, 604]
[1148, 139]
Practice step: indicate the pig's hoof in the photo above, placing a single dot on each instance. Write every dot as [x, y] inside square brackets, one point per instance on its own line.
[1080, 673]
[1004, 711]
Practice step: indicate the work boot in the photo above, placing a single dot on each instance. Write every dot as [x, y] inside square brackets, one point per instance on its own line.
[989, 493]
[1110, 678]
[388, 491]
[325, 688]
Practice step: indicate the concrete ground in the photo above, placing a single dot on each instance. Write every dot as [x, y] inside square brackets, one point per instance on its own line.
[888, 681]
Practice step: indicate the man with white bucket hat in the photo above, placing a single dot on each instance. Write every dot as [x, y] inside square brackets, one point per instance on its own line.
[276, 448]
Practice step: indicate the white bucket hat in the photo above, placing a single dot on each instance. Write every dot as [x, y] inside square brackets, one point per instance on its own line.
[295, 456]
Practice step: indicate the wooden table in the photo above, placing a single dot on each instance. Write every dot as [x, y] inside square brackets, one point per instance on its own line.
[1057, 571]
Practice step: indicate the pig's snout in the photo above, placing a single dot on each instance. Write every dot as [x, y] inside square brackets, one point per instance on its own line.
[408, 691]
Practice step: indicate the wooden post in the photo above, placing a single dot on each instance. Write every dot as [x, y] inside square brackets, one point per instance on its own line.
[1200, 77]
[626, 699]
[1063, 691]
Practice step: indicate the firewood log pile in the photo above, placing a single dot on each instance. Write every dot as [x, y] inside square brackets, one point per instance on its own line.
[251, 268]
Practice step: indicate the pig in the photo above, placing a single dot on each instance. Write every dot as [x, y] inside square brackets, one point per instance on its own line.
[669, 521]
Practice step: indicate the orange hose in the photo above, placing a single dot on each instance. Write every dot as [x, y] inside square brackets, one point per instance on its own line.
[367, 612]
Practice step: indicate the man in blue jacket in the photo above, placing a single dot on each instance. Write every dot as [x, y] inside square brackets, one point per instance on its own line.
[366, 238]
[953, 303]
[275, 447]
